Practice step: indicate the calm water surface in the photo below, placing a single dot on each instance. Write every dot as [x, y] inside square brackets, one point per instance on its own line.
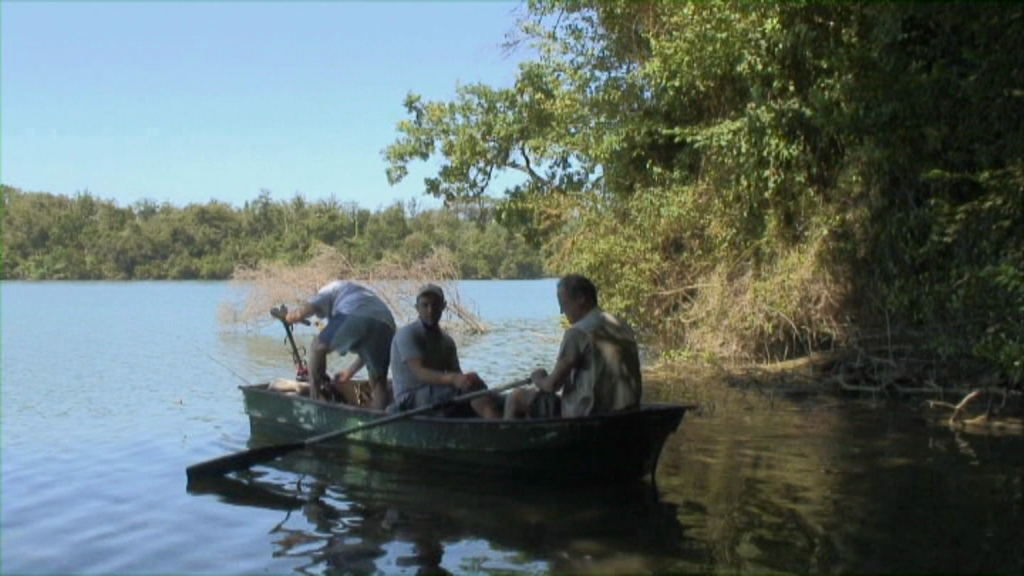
[109, 390]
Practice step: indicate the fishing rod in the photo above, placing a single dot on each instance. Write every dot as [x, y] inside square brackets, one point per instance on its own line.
[224, 366]
[301, 371]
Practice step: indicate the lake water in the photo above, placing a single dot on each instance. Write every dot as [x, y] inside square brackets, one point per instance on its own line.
[110, 390]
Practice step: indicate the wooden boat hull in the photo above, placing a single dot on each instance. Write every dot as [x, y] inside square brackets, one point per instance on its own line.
[611, 447]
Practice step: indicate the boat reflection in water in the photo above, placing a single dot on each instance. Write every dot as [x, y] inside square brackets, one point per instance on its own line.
[352, 512]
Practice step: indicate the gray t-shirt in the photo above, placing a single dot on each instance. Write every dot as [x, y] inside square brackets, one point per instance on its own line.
[414, 340]
[350, 299]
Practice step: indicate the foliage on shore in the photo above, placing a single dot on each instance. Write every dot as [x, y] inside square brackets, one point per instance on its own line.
[764, 180]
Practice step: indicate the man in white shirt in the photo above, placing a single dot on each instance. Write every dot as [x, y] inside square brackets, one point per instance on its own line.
[358, 321]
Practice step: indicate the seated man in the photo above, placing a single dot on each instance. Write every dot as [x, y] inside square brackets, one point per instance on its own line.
[598, 365]
[425, 363]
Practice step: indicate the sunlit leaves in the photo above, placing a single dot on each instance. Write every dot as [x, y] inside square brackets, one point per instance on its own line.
[664, 142]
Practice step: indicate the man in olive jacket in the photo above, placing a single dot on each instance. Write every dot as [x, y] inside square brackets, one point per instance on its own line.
[598, 366]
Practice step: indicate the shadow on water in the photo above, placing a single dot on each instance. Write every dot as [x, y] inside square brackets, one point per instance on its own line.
[809, 482]
[342, 514]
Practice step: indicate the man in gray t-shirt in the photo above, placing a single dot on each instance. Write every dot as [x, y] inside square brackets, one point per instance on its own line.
[425, 362]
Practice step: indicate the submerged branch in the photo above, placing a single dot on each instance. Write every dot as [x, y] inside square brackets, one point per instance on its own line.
[396, 283]
[989, 421]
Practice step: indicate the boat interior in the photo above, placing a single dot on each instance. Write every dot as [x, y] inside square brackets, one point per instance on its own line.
[354, 392]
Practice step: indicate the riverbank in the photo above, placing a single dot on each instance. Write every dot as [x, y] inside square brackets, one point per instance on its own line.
[985, 405]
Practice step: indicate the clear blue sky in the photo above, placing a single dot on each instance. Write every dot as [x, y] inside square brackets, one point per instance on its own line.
[186, 102]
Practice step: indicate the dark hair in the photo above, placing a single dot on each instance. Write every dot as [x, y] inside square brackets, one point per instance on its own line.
[577, 285]
[432, 290]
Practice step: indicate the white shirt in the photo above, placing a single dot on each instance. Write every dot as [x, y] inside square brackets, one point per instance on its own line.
[349, 298]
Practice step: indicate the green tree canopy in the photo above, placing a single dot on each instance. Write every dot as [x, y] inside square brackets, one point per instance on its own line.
[761, 179]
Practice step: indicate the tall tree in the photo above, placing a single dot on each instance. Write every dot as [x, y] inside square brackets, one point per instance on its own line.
[747, 177]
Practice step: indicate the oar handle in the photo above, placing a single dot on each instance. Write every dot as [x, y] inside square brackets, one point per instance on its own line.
[416, 411]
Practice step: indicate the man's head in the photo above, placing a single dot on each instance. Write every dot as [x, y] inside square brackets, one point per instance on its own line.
[577, 296]
[430, 304]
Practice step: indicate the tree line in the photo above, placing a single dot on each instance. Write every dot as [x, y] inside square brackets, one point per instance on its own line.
[56, 237]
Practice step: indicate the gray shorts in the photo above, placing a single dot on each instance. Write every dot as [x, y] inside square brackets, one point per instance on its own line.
[430, 394]
[369, 338]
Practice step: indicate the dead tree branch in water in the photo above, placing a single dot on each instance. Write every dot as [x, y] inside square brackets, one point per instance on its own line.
[396, 283]
[958, 409]
[991, 420]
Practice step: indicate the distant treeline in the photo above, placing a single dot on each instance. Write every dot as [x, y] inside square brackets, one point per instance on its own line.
[54, 237]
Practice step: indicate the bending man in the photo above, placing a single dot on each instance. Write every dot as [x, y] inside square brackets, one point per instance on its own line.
[360, 322]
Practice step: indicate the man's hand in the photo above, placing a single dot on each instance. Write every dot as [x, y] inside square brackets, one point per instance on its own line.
[538, 376]
[342, 376]
[468, 381]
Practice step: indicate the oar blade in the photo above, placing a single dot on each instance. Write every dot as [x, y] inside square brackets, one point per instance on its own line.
[239, 461]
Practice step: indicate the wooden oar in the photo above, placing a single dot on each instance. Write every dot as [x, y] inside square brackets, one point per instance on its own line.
[248, 458]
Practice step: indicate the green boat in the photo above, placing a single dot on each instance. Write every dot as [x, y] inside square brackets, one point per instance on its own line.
[622, 446]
